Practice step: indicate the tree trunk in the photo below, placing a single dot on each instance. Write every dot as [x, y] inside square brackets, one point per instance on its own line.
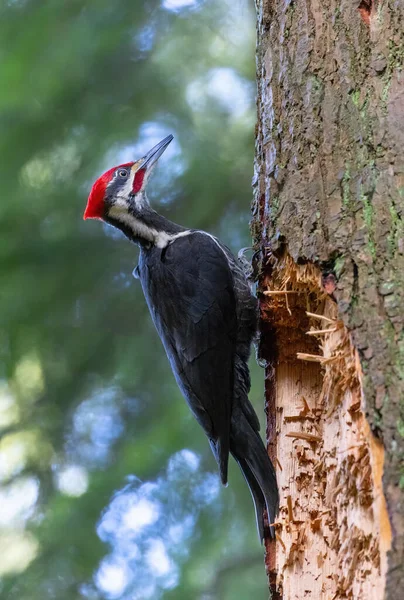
[328, 219]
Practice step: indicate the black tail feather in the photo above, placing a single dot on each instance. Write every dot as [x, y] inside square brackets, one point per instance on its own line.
[257, 496]
[248, 449]
[221, 453]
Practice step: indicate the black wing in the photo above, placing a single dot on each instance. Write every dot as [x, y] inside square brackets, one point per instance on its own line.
[189, 290]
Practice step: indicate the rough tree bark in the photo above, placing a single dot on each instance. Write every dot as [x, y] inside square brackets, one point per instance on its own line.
[328, 219]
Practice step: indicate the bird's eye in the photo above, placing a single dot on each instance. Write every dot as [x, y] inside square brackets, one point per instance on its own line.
[123, 173]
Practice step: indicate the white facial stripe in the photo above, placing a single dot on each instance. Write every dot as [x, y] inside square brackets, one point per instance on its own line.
[119, 211]
[160, 239]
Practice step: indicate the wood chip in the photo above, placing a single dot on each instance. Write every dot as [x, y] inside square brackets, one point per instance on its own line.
[297, 418]
[304, 414]
[280, 292]
[321, 331]
[330, 359]
[306, 407]
[316, 524]
[301, 435]
[290, 509]
[310, 357]
[302, 533]
[280, 540]
[322, 317]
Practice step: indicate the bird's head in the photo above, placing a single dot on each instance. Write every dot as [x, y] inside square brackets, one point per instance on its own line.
[119, 194]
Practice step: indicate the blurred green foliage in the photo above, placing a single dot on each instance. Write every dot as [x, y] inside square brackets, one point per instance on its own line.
[108, 487]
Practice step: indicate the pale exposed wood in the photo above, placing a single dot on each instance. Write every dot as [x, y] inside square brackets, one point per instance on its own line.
[333, 530]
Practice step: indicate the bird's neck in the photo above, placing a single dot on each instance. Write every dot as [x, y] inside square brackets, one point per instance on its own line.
[144, 226]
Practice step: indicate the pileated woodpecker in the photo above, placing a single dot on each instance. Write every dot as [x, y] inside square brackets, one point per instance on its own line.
[205, 315]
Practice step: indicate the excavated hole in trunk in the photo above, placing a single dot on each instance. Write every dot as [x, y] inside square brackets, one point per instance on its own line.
[333, 531]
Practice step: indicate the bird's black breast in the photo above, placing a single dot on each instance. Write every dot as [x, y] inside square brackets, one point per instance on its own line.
[189, 290]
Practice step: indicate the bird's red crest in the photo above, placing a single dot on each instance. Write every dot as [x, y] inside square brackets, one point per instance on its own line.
[95, 202]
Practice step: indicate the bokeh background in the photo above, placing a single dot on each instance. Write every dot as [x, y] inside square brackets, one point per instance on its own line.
[108, 486]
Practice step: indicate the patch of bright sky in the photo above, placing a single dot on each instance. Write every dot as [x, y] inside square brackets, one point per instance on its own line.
[137, 512]
[129, 512]
[145, 38]
[181, 531]
[208, 489]
[231, 92]
[157, 558]
[112, 577]
[72, 480]
[97, 424]
[160, 564]
[140, 514]
[238, 25]
[177, 5]
[184, 461]
[17, 501]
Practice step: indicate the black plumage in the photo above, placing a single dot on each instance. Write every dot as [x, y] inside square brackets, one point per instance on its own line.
[206, 317]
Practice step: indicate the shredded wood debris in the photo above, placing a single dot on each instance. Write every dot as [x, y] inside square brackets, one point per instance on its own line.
[333, 528]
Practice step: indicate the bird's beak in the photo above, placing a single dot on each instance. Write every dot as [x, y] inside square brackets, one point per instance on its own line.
[154, 154]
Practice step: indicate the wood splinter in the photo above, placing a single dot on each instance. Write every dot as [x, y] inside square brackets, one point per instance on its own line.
[281, 292]
[301, 435]
[322, 317]
[310, 357]
[290, 509]
[280, 540]
[321, 331]
[306, 407]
